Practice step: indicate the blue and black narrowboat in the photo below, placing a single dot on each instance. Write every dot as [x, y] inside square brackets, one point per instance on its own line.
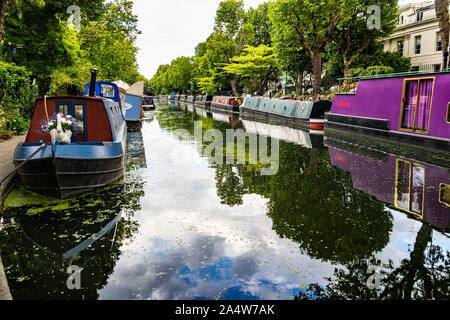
[74, 143]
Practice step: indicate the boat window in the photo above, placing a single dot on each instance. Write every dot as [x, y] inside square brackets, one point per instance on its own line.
[444, 194]
[410, 186]
[107, 91]
[416, 104]
[64, 109]
[448, 112]
[79, 115]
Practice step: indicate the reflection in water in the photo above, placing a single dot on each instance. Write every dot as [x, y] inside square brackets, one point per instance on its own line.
[202, 230]
[404, 184]
[136, 150]
[411, 187]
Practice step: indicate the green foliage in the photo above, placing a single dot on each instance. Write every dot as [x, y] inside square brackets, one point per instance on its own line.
[370, 71]
[355, 37]
[311, 23]
[16, 97]
[259, 19]
[256, 63]
[178, 76]
[106, 40]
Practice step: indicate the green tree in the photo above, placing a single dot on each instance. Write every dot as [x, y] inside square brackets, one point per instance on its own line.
[313, 23]
[14, 5]
[256, 63]
[441, 8]
[181, 74]
[231, 33]
[293, 60]
[108, 42]
[259, 19]
[355, 36]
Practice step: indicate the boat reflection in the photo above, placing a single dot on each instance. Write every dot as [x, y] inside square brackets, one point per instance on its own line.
[40, 241]
[287, 134]
[419, 189]
[136, 149]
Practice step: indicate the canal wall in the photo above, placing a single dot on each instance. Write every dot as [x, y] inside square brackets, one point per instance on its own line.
[6, 166]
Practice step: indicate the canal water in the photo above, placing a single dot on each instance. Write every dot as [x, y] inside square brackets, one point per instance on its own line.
[330, 221]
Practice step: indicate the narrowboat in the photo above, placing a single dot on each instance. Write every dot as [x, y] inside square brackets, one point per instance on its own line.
[420, 190]
[94, 154]
[132, 104]
[200, 100]
[405, 108]
[226, 103]
[148, 103]
[203, 100]
[304, 114]
[182, 98]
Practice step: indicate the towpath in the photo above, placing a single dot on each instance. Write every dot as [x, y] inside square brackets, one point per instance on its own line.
[6, 166]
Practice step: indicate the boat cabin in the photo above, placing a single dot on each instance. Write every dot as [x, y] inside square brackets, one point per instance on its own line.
[405, 105]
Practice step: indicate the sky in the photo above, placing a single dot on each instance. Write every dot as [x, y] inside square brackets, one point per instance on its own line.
[173, 28]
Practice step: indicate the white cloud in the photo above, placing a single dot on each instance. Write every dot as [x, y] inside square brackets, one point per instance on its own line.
[173, 28]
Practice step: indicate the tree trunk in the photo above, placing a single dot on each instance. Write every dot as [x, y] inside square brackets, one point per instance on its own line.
[317, 72]
[443, 18]
[2, 17]
[347, 65]
[300, 83]
[233, 82]
[417, 259]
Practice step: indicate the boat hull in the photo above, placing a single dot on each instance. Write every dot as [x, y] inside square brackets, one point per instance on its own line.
[379, 129]
[63, 177]
[221, 106]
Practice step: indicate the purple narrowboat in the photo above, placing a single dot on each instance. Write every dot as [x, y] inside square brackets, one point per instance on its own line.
[408, 108]
[420, 190]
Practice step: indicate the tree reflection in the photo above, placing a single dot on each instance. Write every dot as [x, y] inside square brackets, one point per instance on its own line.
[310, 201]
[39, 242]
[424, 276]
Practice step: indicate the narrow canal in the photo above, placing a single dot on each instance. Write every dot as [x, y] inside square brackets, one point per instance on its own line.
[329, 223]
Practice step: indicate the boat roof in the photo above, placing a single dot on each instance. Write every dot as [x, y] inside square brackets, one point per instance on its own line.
[394, 75]
[106, 90]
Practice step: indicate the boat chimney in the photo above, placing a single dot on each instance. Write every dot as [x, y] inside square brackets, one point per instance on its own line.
[93, 82]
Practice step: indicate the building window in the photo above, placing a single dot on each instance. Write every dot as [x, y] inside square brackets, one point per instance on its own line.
[415, 68]
[400, 46]
[438, 41]
[418, 44]
[437, 67]
[419, 15]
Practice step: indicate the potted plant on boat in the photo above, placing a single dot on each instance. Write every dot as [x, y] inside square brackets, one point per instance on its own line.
[61, 127]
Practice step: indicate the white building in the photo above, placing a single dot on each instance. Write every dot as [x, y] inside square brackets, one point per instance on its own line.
[417, 36]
